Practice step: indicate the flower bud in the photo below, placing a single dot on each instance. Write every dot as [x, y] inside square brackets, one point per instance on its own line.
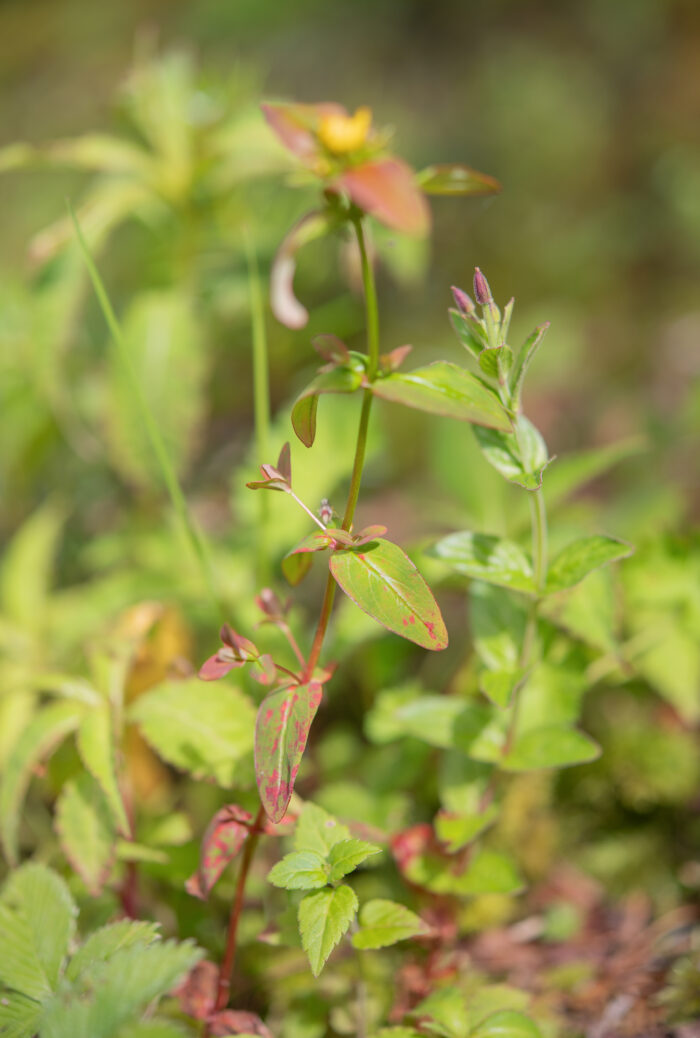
[325, 512]
[482, 291]
[462, 301]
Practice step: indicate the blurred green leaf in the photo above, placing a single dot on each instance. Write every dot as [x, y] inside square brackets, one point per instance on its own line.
[554, 746]
[383, 923]
[580, 558]
[86, 830]
[520, 458]
[483, 557]
[97, 750]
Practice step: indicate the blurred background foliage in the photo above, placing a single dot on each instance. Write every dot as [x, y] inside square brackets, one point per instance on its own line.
[146, 115]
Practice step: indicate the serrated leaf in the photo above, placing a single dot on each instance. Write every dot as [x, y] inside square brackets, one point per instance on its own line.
[201, 728]
[384, 922]
[507, 1023]
[457, 831]
[324, 917]
[580, 558]
[385, 584]
[104, 943]
[346, 855]
[454, 178]
[553, 746]
[282, 728]
[19, 1015]
[37, 922]
[317, 830]
[338, 380]
[520, 459]
[96, 748]
[115, 993]
[44, 732]
[86, 830]
[483, 557]
[221, 843]
[444, 389]
[163, 340]
[300, 870]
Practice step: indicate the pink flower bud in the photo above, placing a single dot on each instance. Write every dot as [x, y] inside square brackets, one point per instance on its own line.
[482, 291]
[462, 301]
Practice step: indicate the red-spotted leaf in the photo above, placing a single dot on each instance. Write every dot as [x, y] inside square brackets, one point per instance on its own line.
[222, 841]
[383, 582]
[338, 380]
[197, 992]
[297, 563]
[445, 389]
[456, 179]
[386, 189]
[281, 731]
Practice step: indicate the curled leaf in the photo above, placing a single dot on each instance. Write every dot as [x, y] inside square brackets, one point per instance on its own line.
[337, 380]
[297, 563]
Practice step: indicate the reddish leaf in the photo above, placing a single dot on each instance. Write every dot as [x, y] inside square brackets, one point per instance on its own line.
[392, 361]
[337, 380]
[197, 993]
[383, 582]
[285, 305]
[237, 1021]
[297, 563]
[281, 731]
[386, 189]
[331, 349]
[456, 179]
[225, 835]
[295, 124]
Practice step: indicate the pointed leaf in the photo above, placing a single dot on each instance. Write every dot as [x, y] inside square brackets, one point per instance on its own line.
[387, 190]
[300, 870]
[337, 380]
[469, 332]
[482, 557]
[37, 923]
[221, 843]
[383, 923]
[444, 389]
[45, 731]
[324, 917]
[197, 727]
[581, 557]
[553, 746]
[297, 563]
[86, 830]
[453, 178]
[96, 748]
[317, 830]
[102, 944]
[523, 360]
[282, 728]
[384, 583]
[522, 459]
[507, 1023]
[346, 855]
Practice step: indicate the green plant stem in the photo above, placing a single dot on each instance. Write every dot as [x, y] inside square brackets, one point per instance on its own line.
[229, 959]
[372, 312]
[261, 401]
[153, 433]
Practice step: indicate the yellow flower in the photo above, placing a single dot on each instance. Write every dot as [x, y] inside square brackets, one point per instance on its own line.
[344, 133]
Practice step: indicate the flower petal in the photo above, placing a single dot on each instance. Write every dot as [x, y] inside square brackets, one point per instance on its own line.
[387, 189]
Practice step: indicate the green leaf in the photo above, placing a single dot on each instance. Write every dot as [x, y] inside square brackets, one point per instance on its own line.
[27, 567]
[398, 1032]
[96, 748]
[114, 993]
[447, 390]
[454, 178]
[554, 746]
[86, 831]
[520, 459]
[206, 729]
[164, 342]
[317, 830]
[324, 917]
[19, 1015]
[337, 380]
[488, 873]
[580, 558]
[446, 1011]
[297, 563]
[385, 922]
[346, 855]
[499, 685]
[523, 360]
[469, 332]
[300, 870]
[44, 732]
[495, 360]
[459, 830]
[385, 584]
[37, 923]
[506, 1024]
[498, 623]
[580, 467]
[282, 728]
[482, 557]
[430, 718]
[104, 943]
